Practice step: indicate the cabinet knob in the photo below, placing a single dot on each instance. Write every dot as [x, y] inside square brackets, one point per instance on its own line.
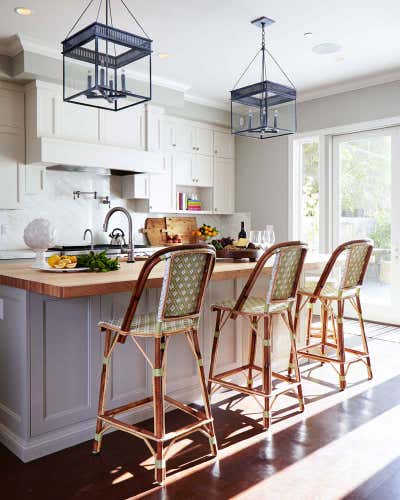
[216, 209]
[198, 149]
[174, 145]
[216, 151]
[194, 149]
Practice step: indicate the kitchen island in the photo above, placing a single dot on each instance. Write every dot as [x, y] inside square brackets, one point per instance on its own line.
[51, 349]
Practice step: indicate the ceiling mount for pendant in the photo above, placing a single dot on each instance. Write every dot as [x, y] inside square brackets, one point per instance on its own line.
[106, 67]
[267, 108]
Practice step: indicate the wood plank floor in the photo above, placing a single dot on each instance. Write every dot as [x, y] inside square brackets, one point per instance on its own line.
[345, 445]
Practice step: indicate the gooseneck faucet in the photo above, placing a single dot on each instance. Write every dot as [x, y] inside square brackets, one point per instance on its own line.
[131, 246]
[90, 232]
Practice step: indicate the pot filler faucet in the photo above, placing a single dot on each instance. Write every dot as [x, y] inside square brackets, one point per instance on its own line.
[131, 246]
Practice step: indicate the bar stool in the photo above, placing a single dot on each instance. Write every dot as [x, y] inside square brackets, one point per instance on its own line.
[327, 290]
[288, 263]
[187, 272]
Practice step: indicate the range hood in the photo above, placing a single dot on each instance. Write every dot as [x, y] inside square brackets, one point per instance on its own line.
[63, 154]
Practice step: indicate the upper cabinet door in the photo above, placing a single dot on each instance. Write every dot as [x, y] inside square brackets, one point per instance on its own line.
[183, 169]
[179, 136]
[224, 145]
[224, 185]
[202, 141]
[202, 171]
[79, 123]
[162, 192]
[154, 128]
[123, 128]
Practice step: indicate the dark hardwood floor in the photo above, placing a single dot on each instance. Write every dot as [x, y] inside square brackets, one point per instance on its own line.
[345, 445]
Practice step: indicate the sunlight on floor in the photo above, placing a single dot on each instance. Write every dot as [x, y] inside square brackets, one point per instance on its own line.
[332, 469]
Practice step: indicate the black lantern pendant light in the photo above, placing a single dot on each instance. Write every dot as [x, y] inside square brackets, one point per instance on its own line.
[106, 67]
[267, 108]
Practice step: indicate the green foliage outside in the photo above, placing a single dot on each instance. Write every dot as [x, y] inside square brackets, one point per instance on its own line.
[365, 184]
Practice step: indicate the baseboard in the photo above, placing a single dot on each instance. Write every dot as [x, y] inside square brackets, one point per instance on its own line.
[51, 442]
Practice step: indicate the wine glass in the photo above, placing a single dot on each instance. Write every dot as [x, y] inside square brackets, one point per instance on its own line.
[269, 236]
[256, 238]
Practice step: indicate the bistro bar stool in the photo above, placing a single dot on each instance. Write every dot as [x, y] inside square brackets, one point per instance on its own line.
[187, 271]
[354, 257]
[288, 263]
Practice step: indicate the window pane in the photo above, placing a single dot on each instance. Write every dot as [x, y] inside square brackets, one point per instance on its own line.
[310, 194]
[365, 206]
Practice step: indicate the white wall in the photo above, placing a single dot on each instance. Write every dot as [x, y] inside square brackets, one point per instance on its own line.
[262, 166]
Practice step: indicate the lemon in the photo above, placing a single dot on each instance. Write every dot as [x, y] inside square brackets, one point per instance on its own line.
[60, 265]
[54, 259]
[71, 266]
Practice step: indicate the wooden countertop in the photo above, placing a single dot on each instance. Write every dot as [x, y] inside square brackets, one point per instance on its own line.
[64, 285]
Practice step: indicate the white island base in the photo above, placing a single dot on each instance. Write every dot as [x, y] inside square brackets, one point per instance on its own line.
[50, 359]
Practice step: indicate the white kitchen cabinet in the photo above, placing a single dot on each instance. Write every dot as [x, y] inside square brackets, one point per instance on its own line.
[202, 171]
[12, 146]
[35, 177]
[182, 164]
[224, 185]
[202, 140]
[11, 173]
[224, 145]
[178, 136]
[162, 191]
[123, 128]
[136, 186]
[154, 128]
[193, 170]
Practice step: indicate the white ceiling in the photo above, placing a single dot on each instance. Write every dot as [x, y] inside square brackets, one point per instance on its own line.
[210, 42]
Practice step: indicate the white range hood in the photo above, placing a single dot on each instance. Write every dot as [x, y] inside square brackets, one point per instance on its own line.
[59, 133]
[51, 152]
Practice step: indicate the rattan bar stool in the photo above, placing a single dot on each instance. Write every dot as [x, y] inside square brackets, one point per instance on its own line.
[288, 263]
[187, 272]
[355, 255]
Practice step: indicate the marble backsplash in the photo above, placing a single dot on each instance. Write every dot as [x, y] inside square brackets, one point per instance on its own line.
[71, 217]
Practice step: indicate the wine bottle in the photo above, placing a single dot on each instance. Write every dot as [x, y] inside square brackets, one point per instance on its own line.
[242, 233]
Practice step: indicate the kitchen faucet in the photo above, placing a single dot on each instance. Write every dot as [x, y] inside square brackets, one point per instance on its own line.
[131, 246]
[90, 232]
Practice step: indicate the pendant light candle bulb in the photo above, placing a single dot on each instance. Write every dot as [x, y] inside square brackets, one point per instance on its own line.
[276, 119]
[102, 77]
[250, 119]
[89, 80]
[123, 81]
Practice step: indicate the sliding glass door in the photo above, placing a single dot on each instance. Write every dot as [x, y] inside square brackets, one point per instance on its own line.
[366, 204]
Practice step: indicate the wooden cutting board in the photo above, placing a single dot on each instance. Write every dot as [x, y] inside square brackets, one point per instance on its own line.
[158, 228]
[155, 231]
[182, 226]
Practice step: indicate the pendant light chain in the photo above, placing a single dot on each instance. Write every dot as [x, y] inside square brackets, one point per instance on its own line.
[80, 17]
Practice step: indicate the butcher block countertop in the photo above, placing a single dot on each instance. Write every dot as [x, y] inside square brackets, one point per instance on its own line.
[68, 285]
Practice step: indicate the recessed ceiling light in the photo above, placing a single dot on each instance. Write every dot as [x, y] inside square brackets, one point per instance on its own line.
[163, 55]
[327, 48]
[307, 34]
[23, 11]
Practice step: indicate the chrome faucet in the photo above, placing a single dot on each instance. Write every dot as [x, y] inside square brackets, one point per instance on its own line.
[131, 246]
[90, 232]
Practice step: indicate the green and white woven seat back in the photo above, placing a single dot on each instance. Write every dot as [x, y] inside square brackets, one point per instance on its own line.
[184, 283]
[285, 274]
[357, 256]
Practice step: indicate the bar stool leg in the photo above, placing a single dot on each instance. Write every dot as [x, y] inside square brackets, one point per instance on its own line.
[363, 336]
[252, 350]
[295, 361]
[340, 345]
[267, 372]
[309, 321]
[206, 400]
[214, 350]
[103, 387]
[159, 413]
[324, 326]
[295, 329]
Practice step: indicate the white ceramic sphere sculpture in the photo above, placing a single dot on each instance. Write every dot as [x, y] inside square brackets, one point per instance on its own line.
[39, 236]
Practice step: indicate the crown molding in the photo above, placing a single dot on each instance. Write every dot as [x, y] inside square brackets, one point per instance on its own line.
[349, 86]
[211, 103]
[11, 46]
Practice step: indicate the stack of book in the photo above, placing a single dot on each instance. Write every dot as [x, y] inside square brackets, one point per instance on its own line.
[185, 202]
[193, 204]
